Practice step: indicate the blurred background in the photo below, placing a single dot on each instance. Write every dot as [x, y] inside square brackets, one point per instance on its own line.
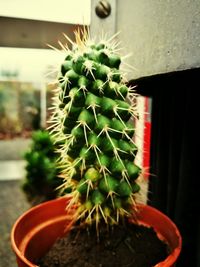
[27, 68]
[162, 42]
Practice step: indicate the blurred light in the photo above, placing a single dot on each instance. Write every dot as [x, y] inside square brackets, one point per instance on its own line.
[32, 65]
[65, 11]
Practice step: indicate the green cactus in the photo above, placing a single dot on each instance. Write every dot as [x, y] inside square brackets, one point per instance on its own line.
[41, 179]
[94, 117]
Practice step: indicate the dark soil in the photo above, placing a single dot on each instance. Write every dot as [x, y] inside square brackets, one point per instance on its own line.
[130, 246]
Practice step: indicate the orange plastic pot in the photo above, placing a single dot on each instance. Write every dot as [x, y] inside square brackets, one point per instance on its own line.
[37, 229]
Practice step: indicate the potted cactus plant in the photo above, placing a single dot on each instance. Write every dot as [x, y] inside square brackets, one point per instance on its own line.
[94, 114]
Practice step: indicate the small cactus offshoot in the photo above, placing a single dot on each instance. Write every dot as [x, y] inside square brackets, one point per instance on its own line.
[41, 178]
[94, 118]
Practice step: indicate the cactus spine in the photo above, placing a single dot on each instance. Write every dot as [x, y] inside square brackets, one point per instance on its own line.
[92, 117]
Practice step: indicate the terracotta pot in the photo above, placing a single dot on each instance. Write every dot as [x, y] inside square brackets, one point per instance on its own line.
[37, 229]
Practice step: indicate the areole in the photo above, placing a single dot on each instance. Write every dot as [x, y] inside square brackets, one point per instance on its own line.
[36, 230]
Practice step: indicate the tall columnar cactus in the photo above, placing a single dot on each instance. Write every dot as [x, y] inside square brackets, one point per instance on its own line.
[94, 117]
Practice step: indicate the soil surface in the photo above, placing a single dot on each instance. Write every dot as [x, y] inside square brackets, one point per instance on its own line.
[130, 246]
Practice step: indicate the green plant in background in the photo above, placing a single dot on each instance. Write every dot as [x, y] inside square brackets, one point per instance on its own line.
[42, 178]
[94, 118]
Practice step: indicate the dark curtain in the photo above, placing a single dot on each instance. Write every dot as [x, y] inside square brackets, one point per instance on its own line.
[175, 182]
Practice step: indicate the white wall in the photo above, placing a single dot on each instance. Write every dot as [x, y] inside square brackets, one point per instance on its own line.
[162, 35]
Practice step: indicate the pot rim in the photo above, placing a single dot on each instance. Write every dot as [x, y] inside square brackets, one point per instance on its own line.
[17, 222]
[171, 258]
